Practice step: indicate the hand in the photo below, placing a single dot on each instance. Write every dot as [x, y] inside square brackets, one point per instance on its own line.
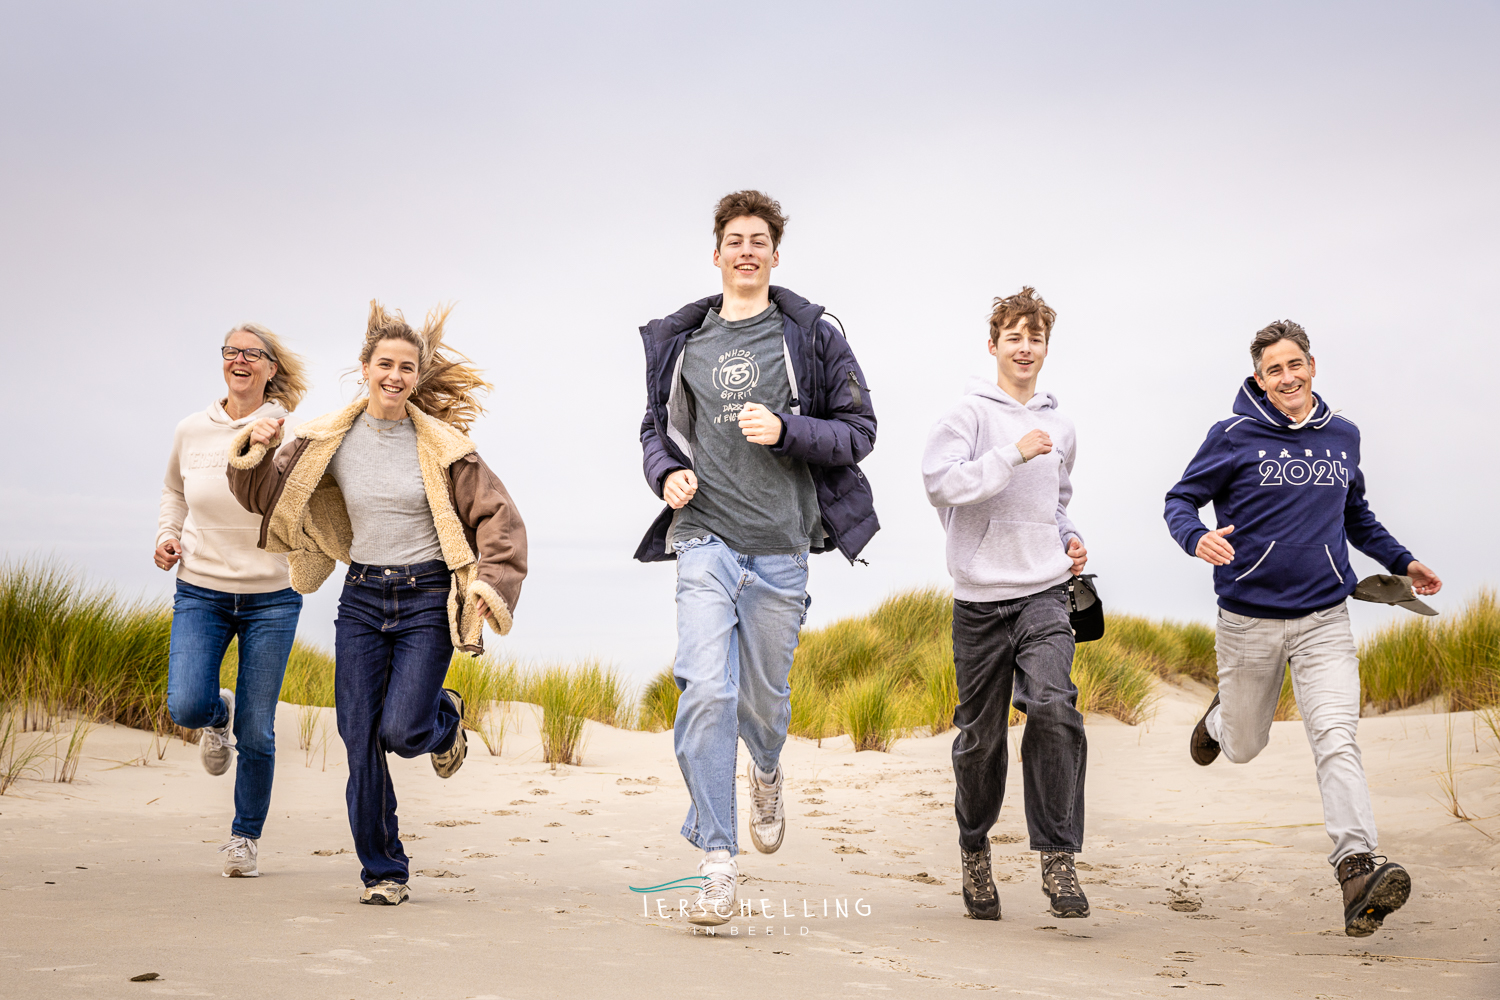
[1037, 442]
[1078, 554]
[759, 425]
[482, 608]
[679, 488]
[1424, 581]
[168, 552]
[1213, 550]
[266, 430]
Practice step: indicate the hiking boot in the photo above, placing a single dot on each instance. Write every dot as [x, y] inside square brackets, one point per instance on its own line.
[981, 898]
[1203, 747]
[1060, 883]
[216, 743]
[715, 903]
[1374, 888]
[241, 862]
[767, 814]
[447, 763]
[386, 893]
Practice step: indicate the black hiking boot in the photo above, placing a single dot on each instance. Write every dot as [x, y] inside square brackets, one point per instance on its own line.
[1060, 883]
[1371, 892]
[981, 898]
[1203, 747]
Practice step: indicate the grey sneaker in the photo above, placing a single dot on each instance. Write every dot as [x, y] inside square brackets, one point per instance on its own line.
[981, 898]
[216, 743]
[715, 903]
[1060, 883]
[242, 861]
[447, 763]
[386, 893]
[767, 813]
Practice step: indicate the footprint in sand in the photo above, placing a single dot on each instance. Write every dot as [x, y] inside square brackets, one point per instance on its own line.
[454, 822]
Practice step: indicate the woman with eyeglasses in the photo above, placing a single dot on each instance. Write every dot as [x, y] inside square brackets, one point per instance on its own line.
[228, 587]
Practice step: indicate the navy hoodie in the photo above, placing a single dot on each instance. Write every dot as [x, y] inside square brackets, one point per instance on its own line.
[1296, 498]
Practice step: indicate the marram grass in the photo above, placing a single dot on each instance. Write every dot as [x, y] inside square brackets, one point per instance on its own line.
[87, 654]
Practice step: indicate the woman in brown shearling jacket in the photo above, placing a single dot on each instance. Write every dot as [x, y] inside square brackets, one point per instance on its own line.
[392, 486]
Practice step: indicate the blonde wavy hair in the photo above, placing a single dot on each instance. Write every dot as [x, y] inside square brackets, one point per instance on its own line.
[447, 380]
[289, 385]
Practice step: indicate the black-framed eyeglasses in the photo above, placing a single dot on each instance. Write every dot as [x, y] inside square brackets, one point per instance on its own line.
[251, 354]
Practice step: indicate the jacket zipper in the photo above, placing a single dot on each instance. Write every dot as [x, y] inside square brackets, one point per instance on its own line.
[854, 388]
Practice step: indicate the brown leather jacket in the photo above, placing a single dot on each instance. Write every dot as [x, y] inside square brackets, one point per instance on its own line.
[303, 514]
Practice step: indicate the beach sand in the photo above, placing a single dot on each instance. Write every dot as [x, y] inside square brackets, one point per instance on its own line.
[1202, 880]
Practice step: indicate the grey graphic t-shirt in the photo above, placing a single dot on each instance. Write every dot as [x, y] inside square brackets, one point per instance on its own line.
[759, 503]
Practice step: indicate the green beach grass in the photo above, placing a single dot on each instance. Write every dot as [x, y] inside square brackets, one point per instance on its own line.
[71, 656]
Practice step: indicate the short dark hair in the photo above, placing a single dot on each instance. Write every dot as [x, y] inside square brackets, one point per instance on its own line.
[1024, 304]
[1282, 329]
[753, 203]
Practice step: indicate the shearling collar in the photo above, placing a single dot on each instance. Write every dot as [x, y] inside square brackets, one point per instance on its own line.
[446, 443]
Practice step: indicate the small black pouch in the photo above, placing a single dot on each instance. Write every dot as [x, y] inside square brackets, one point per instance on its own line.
[1085, 610]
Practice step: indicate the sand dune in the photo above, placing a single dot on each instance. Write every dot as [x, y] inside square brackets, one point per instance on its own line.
[1201, 879]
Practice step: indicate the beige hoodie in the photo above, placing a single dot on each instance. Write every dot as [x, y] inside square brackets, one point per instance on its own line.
[219, 550]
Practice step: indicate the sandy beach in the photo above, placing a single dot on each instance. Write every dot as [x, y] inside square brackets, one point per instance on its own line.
[1208, 880]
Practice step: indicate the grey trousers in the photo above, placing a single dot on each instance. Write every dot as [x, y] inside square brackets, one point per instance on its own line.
[1252, 653]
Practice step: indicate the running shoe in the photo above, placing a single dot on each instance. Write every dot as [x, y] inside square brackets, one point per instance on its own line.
[1203, 747]
[715, 903]
[1060, 883]
[447, 763]
[767, 813]
[216, 743]
[981, 898]
[242, 861]
[386, 893]
[1374, 888]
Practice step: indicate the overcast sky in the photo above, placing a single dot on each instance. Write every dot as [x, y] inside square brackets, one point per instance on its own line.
[1171, 177]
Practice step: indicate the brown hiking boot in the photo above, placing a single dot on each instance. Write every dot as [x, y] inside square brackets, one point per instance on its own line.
[1203, 747]
[1371, 892]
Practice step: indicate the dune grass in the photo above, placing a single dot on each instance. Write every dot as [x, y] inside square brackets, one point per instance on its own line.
[1454, 656]
[71, 656]
[888, 673]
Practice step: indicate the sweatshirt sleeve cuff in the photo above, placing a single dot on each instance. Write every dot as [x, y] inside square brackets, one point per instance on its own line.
[1011, 455]
[1191, 548]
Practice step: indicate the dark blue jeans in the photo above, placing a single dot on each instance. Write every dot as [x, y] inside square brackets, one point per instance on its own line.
[393, 649]
[1019, 650]
[203, 622]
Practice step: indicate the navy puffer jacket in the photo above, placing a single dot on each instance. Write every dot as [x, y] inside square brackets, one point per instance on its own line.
[831, 426]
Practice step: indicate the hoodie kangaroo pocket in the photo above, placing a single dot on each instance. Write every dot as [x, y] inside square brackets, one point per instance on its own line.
[1015, 553]
[1279, 574]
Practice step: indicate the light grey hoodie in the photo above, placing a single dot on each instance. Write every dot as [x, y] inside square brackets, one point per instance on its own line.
[1006, 520]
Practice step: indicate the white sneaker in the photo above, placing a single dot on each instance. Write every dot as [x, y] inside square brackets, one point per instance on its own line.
[715, 903]
[216, 744]
[767, 814]
[242, 861]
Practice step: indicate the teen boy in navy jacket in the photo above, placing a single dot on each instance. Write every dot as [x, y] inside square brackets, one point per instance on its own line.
[1283, 476]
[756, 417]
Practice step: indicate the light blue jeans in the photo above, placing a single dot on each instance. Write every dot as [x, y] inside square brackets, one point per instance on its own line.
[737, 622]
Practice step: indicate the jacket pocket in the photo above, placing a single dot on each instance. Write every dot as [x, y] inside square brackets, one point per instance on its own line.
[1015, 552]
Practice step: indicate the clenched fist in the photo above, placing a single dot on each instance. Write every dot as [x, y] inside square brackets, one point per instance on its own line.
[679, 488]
[1034, 443]
[167, 553]
[759, 425]
[266, 430]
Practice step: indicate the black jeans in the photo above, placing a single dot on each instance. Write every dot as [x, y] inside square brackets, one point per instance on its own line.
[1025, 643]
[392, 652]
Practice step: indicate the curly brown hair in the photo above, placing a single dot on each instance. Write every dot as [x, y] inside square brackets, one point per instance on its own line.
[446, 379]
[753, 203]
[1026, 304]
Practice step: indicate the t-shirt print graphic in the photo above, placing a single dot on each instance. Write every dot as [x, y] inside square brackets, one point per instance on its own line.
[735, 375]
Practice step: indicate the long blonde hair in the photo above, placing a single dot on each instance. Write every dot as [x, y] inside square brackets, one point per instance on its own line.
[289, 384]
[446, 379]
